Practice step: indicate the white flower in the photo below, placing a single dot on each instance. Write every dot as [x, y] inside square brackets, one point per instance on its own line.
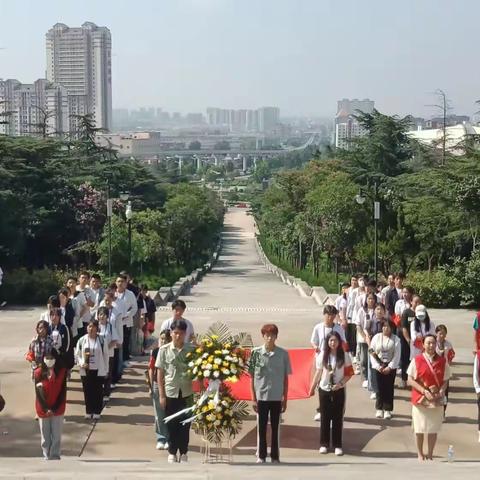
[210, 417]
[191, 364]
[217, 361]
[195, 370]
[206, 373]
[235, 360]
[218, 409]
[234, 370]
[216, 373]
[224, 403]
[208, 366]
[225, 352]
[226, 371]
[205, 355]
[198, 362]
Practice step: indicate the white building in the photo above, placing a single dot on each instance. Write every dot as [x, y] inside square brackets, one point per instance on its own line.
[80, 60]
[38, 108]
[346, 126]
[265, 119]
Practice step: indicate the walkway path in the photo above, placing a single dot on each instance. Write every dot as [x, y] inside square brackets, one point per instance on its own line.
[242, 293]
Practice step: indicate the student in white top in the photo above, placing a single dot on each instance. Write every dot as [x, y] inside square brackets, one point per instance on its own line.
[92, 357]
[351, 332]
[385, 357]
[403, 303]
[97, 291]
[83, 287]
[131, 308]
[178, 309]
[52, 303]
[388, 287]
[341, 306]
[476, 385]
[320, 333]
[331, 376]
[115, 317]
[419, 329]
[111, 339]
[351, 295]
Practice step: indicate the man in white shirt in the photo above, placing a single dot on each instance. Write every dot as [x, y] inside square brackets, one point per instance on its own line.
[83, 288]
[178, 309]
[97, 292]
[388, 287]
[319, 335]
[404, 302]
[130, 310]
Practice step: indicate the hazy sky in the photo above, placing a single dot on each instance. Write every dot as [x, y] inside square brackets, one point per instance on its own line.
[301, 55]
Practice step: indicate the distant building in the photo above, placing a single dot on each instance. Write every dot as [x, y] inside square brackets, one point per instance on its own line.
[264, 120]
[450, 121]
[39, 108]
[194, 119]
[80, 60]
[347, 126]
[268, 118]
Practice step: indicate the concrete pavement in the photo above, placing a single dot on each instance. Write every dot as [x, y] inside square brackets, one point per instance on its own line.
[240, 292]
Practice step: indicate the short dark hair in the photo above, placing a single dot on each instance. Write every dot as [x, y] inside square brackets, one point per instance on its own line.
[345, 284]
[400, 275]
[102, 310]
[71, 277]
[57, 312]
[54, 301]
[329, 310]
[179, 303]
[110, 292]
[429, 335]
[178, 325]
[123, 277]
[167, 334]
[409, 289]
[125, 274]
[387, 322]
[96, 276]
[381, 305]
[269, 328]
[85, 274]
[144, 286]
[94, 323]
[64, 291]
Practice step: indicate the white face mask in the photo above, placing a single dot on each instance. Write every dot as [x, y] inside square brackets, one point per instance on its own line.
[49, 362]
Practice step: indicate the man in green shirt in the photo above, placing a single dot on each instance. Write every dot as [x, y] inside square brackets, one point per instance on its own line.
[175, 389]
[269, 368]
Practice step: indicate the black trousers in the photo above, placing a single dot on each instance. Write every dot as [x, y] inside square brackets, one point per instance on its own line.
[116, 374]
[404, 357]
[93, 392]
[478, 404]
[107, 381]
[127, 332]
[266, 409]
[386, 385]
[332, 406]
[351, 337]
[178, 434]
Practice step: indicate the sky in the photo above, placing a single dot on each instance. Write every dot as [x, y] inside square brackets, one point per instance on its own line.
[300, 55]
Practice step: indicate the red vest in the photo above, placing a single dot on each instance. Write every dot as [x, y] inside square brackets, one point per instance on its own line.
[53, 388]
[425, 375]
[477, 331]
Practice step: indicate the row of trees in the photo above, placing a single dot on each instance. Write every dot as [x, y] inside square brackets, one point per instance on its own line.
[430, 207]
[53, 197]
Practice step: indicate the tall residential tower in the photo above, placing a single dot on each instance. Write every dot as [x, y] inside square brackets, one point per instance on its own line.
[80, 59]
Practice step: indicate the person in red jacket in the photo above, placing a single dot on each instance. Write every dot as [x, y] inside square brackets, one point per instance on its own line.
[50, 401]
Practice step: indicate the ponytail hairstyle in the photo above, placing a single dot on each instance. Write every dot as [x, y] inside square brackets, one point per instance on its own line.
[340, 356]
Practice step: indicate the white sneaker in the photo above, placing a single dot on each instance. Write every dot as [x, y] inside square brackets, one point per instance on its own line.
[365, 384]
[88, 416]
[165, 447]
[172, 458]
[338, 452]
[323, 450]
[387, 415]
[184, 458]
[113, 386]
[260, 460]
[160, 446]
[379, 414]
[317, 417]
[479, 437]
[106, 399]
[96, 416]
[373, 396]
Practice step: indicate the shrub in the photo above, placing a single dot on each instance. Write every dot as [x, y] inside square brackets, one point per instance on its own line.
[26, 287]
[438, 288]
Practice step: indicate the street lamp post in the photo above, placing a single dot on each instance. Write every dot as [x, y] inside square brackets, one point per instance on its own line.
[360, 199]
[128, 216]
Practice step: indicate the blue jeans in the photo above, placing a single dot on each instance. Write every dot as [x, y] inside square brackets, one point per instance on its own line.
[160, 428]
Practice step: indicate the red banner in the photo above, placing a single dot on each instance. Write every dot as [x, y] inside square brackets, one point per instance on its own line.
[302, 362]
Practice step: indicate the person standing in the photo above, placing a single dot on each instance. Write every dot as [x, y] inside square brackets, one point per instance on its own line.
[269, 367]
[419, 329]
[444, 349]
[86, 297]
[331, 376]
[97, 293]
[385, 356]
[92, 357]
[68, 311]
[178, 309]
[319, 335]
[394, 294]
[61, 339]
[40, 346]
[131, 307]
[408, 316]
[175, 389]
[161, 431]
[50, 402]
[476, 385]
[428, 375]
[351, 332]
[388, 287]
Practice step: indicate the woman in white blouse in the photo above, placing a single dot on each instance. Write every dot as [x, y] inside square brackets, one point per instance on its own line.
[331, 376]
[92, 355]
[385, 357]
[419, 329]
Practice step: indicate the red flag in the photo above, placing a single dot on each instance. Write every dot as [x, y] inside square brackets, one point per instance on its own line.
[302, 362]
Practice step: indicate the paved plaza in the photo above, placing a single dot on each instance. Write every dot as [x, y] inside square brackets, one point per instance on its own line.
[242, 293]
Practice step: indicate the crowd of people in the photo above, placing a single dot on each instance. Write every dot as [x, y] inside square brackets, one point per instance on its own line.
[377, 332]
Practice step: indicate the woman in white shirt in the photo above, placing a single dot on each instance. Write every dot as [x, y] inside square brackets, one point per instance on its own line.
[92, 356]
[419, 329]
[385, 357]
[330, 378]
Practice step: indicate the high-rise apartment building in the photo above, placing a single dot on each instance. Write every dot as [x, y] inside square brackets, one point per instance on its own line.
[39, 108]
[80, 60]
[264, 119]
[346, 125]
[268, 118]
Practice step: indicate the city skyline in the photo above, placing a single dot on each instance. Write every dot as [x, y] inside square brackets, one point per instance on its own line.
[299, 56]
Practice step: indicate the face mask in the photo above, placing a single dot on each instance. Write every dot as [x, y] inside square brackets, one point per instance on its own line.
[49, 362]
